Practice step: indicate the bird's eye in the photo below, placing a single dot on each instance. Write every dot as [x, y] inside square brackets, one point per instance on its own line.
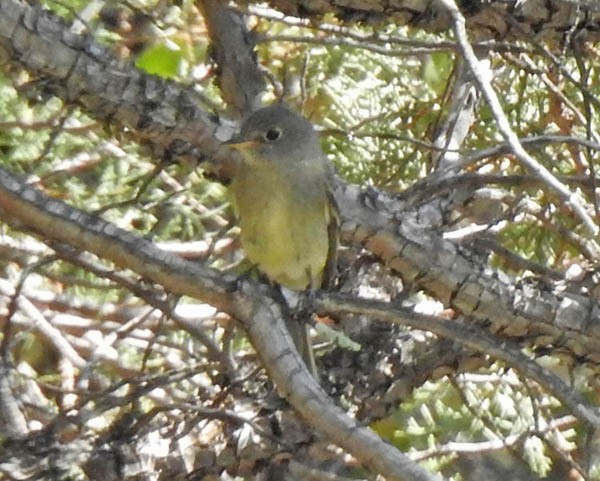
[272, 134]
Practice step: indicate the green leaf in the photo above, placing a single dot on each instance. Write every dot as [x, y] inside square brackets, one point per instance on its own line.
[436, 69]
[337, 336]
[161, 60]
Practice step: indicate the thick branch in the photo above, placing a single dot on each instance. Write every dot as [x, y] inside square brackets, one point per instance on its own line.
[80, 71]
[548, 20]
[239, 77]
[539, 315]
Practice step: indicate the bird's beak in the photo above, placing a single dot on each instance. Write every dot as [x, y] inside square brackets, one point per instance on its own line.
[242, 146]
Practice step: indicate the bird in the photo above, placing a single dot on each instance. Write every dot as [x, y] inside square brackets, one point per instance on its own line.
[283, 196]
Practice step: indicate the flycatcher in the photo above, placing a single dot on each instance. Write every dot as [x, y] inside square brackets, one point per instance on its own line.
[283, 196]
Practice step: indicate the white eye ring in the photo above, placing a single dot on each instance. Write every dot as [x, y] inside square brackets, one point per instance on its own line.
[273, 134]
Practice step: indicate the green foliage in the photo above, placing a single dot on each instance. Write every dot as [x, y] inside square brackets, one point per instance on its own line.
[474, 409]
[535, 456]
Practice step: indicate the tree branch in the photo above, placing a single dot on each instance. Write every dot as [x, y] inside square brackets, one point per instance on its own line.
[535, 313]
[80, 71]
[239, 77]
[548, 20]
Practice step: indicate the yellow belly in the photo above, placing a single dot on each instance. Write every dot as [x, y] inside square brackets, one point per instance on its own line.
[284, 229]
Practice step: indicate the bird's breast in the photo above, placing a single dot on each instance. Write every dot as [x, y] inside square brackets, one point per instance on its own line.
[283, 218]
